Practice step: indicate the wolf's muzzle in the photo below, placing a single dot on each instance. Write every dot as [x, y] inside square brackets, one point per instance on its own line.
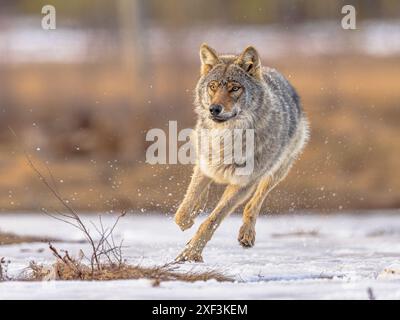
[223, 116]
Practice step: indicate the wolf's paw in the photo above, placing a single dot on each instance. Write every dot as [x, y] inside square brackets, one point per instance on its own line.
[189, 255]
[247, 236]
[184, 221]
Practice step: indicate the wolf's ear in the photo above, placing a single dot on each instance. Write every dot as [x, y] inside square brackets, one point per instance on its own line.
[250, 61]
[208, 57]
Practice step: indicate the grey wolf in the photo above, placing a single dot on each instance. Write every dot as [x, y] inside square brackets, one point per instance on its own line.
[236, 91]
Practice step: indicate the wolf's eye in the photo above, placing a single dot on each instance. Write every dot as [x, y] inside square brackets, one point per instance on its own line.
[213, 86]
[235, 88]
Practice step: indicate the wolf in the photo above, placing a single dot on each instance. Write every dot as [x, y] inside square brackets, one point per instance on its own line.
[238, 92]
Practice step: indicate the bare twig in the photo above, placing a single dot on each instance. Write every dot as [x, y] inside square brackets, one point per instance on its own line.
[100, 248]
[74, 216]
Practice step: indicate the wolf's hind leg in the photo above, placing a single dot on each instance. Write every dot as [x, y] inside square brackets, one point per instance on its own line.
[232, 197]
[187, 211]
[247, 232]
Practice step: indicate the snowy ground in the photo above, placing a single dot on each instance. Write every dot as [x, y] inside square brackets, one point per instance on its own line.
[295, 257]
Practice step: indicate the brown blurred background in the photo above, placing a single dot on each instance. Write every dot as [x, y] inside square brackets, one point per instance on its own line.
[82, 97]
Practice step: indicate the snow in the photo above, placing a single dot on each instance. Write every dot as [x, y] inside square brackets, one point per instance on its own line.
[296, 256]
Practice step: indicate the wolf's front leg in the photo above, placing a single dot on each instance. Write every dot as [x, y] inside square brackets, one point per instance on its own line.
[186, 213]
[233, 196]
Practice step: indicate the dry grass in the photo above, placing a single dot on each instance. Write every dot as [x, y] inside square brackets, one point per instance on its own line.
[70, 268]
[79, 271]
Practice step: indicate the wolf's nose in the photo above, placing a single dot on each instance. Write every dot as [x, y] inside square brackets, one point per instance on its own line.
[215, 109]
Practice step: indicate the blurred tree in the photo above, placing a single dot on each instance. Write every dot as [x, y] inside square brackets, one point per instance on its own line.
[132, 16]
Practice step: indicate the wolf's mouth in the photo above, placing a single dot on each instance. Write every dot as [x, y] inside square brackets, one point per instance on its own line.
[218, 119]
[223, 118]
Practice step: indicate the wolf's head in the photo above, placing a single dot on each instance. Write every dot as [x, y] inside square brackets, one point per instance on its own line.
[229, 86]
